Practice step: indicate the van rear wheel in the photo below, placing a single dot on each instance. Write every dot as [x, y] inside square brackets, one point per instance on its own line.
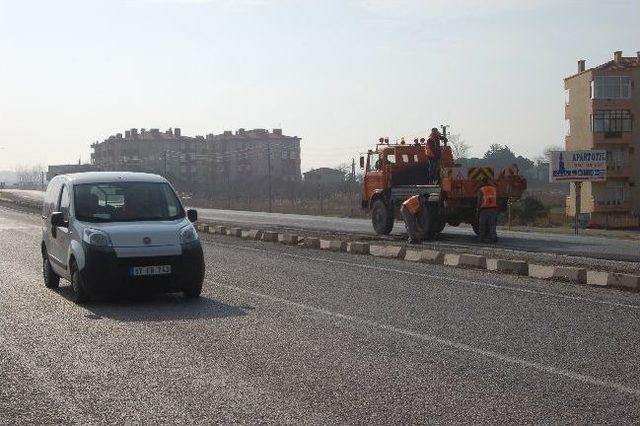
[192, 291]
[51, 280]
[381, 217]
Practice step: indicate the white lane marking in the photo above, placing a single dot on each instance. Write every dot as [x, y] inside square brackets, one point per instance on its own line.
[440, 277]
[584, 378]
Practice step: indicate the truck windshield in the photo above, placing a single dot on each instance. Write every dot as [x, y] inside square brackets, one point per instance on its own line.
[126, 202]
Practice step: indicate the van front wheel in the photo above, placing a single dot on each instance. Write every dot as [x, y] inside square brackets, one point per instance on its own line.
[80, 294]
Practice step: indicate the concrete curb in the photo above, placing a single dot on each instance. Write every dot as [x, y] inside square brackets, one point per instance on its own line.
[356, 247]
[333, 245]
[424, 256]
[291, 239]
[427, 256]
[392, 252]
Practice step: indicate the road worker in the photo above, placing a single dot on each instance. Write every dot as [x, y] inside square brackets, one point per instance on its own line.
[433, 152]
[487, 211]
[413, 212]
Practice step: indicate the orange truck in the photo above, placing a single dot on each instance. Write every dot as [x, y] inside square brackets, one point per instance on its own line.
[394, 172]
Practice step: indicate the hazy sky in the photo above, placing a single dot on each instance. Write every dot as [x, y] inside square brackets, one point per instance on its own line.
[338, 73]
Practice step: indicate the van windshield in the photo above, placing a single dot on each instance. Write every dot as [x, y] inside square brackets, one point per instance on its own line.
[126, 202]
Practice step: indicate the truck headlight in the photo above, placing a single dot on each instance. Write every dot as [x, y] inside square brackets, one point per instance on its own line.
[96, 238]
[188, 234]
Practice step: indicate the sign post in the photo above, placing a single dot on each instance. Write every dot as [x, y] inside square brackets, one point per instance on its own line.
[578, 189]
[578, 167]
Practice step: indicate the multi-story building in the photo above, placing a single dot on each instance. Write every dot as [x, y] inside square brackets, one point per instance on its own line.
[602, 106]
[201, 162]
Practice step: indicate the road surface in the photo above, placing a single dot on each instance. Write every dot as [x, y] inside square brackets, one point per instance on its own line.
[460, 237]
[289, 335]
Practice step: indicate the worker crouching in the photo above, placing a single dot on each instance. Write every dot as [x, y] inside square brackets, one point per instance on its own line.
[414, 214]
[487, 211]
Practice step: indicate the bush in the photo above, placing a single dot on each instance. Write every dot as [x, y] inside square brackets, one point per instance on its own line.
[528, 209]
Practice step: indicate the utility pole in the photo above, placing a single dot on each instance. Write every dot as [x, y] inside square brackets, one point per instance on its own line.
[269, 172]
[165, 163]
[353, 183]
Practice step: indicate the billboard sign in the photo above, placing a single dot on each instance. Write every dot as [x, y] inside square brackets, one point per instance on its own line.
[578, 166]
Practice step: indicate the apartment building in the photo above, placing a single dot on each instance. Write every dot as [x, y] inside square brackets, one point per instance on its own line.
[200, 162]
[602, 110]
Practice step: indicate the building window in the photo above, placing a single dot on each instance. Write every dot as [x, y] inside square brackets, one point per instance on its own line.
[611, 87]
[567, 96]
[611, 121]
[567, 127]
[616, 159]
[615, 192]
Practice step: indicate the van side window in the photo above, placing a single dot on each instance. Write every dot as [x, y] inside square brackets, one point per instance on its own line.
[63, 206]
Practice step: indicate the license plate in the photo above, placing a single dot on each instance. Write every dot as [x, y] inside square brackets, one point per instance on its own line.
[145, 271]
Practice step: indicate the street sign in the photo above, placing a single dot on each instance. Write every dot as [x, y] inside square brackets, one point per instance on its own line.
[578, 166]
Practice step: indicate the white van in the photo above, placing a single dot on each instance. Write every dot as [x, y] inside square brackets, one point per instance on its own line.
[104, 231]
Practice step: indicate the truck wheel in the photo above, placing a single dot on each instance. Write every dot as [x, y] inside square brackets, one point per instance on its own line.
[434, 225]
[381, 217]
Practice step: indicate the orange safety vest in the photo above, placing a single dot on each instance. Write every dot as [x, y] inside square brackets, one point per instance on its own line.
[412, 204]
[489, 197]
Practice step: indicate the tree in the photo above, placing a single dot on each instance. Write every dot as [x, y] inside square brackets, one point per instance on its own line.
[30, 177]
[459, 147]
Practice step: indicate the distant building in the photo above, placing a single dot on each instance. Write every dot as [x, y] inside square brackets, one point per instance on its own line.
[62, 169]
[202, 161]
[601, 110]
[324, 175]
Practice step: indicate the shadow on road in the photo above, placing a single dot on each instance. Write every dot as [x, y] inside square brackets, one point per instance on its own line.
[155, 307]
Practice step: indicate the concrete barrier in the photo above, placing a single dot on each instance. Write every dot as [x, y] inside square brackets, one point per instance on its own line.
[270, 236]
[357, 247]
[570, 273]
[424, 256]
[291, 239]
[541, 271]
[451, 259]
[252, 234]
[515, 267]
[472, 261]
[311, 242]
[598, 278]
[219, 229]
[613, 279]
[333, 245]
[234, 232]
[389, 251]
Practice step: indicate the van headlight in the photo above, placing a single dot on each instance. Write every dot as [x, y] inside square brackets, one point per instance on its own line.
[96, 238]
[188, 234]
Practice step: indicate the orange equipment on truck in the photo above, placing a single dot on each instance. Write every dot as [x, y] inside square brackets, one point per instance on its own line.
[396, 172]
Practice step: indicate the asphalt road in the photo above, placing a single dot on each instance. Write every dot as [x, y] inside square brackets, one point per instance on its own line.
[289, 335]
[457, 237]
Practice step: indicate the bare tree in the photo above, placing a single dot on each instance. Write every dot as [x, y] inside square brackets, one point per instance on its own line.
[459, 147]
[29, 177]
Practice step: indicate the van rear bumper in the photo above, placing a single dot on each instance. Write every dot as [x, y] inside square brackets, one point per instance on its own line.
[105, 272]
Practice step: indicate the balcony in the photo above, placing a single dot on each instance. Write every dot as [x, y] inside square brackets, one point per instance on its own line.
[612, 138]
[601, 206]
[619, 171]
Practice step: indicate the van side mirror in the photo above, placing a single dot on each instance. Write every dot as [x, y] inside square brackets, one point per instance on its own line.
[192, 214]
[57, 219]
[361, 162]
